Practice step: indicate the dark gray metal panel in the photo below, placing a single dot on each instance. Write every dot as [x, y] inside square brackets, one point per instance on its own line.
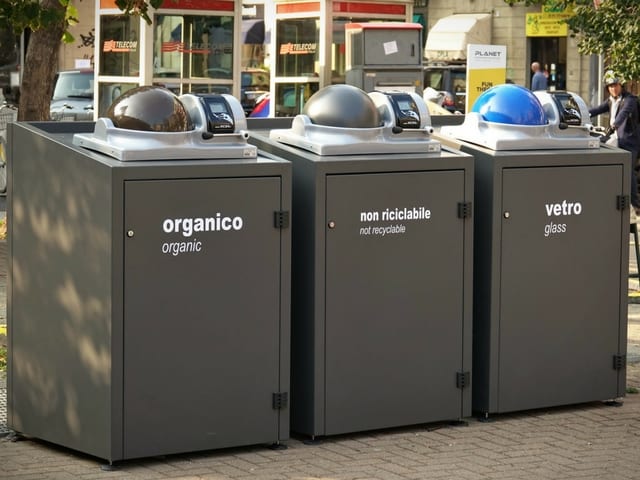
[202, 328]
[394, 299]
[488, 262]
[58, 302]
[308, 274]
[65, 285]
[560, 288]
[309, 268]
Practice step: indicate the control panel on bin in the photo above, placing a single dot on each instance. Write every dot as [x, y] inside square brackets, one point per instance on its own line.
[511, 117]
[345, 120]
[152, 123]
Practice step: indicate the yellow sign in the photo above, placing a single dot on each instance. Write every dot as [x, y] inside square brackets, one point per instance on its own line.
[546, 25]
[486, 68]
[481, 80]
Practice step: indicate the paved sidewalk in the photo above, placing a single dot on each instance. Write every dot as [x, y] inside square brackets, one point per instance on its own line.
[587, 442]
[591, 441]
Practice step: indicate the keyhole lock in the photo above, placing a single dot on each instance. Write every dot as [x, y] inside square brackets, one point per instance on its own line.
[332, 224]
[507, 214]
[130, 233]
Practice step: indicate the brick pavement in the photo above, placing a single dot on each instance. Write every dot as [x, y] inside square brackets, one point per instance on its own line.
[591, 441]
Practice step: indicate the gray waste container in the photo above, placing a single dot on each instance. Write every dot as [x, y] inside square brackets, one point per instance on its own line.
[381, 264]
[551, 241]
[150, 280]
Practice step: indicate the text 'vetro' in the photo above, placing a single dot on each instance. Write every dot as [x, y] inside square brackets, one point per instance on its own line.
[562, 209]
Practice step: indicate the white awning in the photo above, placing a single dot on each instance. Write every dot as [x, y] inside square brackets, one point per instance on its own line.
[449, 37]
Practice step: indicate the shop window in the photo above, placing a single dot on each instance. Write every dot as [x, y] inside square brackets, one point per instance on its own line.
[120, 48]
[109, 92]
[193, 47]
[291, 97]
[297, 47]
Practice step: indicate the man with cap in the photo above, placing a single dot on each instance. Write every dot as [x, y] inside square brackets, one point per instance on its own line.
[623, 125]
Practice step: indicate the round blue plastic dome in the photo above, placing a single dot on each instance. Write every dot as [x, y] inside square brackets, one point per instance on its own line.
[511, 104]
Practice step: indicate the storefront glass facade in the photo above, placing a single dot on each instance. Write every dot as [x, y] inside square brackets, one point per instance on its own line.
[120, 52]
[193, 53]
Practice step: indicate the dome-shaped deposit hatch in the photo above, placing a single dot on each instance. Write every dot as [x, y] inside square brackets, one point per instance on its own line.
[511, 104]
[343, 106]
[511, 117]
[150, 108]
[343, 119]
[152, 123]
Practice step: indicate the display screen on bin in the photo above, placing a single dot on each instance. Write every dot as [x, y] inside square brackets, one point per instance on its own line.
[568, 108]
[406, 110]
[219, 115]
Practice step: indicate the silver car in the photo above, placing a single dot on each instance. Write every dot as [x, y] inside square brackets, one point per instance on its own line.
[73, 96]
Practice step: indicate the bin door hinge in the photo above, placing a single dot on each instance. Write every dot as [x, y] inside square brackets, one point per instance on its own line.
[464, 209]
[623, 202]
[280, 400]
[281, 219]
[463, 379]
[619, 362]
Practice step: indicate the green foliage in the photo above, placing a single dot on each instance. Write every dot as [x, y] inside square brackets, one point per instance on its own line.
[611, 30]
[138, 7]
[35, 15]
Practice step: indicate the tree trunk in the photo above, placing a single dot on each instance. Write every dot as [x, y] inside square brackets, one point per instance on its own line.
[39, 69]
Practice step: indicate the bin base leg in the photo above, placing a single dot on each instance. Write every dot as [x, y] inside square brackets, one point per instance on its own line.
[485, 418]
[278, 446]
[614, 403]
[312, 440]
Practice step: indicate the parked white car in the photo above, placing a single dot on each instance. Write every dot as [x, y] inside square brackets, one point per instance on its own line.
[73, 96]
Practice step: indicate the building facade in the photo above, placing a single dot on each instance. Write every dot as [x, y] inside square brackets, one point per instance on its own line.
[529, 34]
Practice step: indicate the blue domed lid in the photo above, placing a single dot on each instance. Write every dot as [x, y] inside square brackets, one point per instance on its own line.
[510, 104]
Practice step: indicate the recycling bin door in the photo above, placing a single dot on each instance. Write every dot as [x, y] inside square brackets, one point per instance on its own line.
[560, 284]
[202, 309]
[394, 306]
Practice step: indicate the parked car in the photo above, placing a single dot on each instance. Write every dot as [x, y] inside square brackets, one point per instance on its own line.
[443, 101]
[261, 109]
[72, 95]
[254, 82]
[451, 81]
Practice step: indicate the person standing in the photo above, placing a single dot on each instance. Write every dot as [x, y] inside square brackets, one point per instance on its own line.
[539, 79]
[622, 107]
